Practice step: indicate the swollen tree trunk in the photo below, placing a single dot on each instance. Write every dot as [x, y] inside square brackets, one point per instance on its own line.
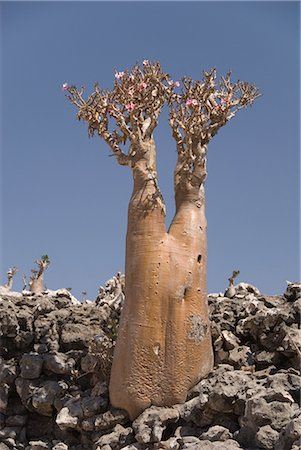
[163, 346]
[164, 343]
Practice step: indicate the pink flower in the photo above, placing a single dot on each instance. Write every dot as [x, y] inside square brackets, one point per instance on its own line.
[112, 112]
[119, 75]
[132, 77]
[65, 87]
[142, 86]
[145, 62]
[173, 83]
[191, 102]
[130, 106]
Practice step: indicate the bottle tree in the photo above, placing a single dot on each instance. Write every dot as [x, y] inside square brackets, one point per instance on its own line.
[164, 343]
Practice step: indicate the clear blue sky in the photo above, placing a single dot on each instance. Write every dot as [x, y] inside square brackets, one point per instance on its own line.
[61, 193]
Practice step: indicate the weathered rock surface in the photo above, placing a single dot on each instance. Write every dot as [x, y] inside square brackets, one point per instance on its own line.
[55, 358]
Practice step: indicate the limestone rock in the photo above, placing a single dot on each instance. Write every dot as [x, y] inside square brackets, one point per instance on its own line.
[266, 437]
[59, 363]
[149, 426]
[119, 437]
[54, 394]
[31, 365]
[216, 433]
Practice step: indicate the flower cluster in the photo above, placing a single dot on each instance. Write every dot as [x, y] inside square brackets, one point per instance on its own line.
[191, 102]
[173, 83]
[119, 75]
[130, 106]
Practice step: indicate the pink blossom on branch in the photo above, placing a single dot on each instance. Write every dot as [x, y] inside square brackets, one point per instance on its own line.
[119, 75]
[173, 83]
[130, 106]
[65, 86]
[145, 62]
[191, 102]
[142, 86]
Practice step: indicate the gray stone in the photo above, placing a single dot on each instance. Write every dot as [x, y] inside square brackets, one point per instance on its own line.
[60, 446]
[39, 396]
[150, 425]
[59, 363]
[9, 432]
[31, 365]
[38, 445]
[70, 415]
[217, 433]
[208, 445]
[3, 446]
[259, 411]
[290, 434]
[266, 437]
[109, 419]
[241, 356]
[230, 340]
[94, 405]
[117, 438]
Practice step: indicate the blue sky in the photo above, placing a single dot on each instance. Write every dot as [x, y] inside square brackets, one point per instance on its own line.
[61, 193]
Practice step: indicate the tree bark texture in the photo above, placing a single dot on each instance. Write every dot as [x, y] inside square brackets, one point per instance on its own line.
[164, 341]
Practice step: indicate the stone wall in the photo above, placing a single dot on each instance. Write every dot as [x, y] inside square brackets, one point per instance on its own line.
[55, 356]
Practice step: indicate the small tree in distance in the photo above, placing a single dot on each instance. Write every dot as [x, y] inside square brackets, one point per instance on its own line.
[163, 346]
[36, 283]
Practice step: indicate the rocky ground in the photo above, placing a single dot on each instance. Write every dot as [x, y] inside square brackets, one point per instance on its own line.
[55, 356]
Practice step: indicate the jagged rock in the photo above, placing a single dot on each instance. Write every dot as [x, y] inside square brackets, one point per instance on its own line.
[266, 437]
[46, 335]
[109, 419]
[293, 291]
[31, 365]
[59, 363]
[246, 287]
[38, 445]
[39, 396]
[290, 434]
[9, 326]
[170, 444]
[241, 356]
[230, 444]
[53, 383]
[60, 446]
[70, 415]
[230, 340]
[216, 433]
[76, 336]
[120, 436]
[149, 426]
[3, 446]
[89, 363]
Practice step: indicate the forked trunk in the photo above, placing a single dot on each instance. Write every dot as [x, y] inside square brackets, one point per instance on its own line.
[37, 286]
[164, 342]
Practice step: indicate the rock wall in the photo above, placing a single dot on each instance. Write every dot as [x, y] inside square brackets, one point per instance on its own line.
[55, 357]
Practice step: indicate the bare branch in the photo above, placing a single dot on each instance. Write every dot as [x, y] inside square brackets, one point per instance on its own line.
[132, 106]
[202, 108]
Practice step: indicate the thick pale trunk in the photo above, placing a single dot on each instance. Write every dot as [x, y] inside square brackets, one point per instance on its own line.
[37, 285]
[164, 342]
